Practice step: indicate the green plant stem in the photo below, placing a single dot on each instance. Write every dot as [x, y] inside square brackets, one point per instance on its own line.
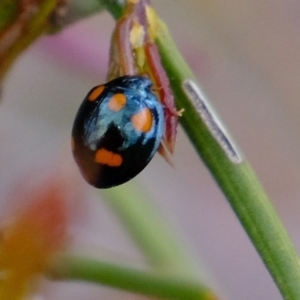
[68, 267]
[174, 275]
[237, 181]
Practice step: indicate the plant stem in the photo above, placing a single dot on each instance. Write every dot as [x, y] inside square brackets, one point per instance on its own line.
[237, 181]
[70, 267]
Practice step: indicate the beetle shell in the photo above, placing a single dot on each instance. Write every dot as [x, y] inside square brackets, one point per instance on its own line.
[117, 131]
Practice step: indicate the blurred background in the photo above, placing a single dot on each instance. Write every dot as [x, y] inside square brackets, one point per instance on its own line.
[246, 56]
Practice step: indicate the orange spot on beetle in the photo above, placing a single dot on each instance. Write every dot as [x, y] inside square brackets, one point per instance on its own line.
[108, 158]
[117, 102]
[96, 93]
[142, 121]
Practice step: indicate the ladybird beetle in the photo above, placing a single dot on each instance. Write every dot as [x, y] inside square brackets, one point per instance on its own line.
[117, 131]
